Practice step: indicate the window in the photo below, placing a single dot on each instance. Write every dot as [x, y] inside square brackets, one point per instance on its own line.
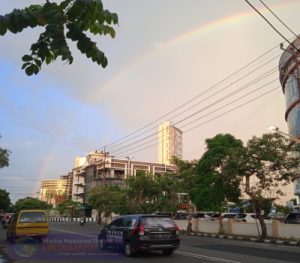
[116, 223]
[32, 217]
[157, 221]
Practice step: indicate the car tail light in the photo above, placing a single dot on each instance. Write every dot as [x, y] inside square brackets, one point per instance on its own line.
[177, 229]
[141, 230]
[132, 230]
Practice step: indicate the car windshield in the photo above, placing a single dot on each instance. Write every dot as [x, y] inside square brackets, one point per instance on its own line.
[32, 217]
[157, 221]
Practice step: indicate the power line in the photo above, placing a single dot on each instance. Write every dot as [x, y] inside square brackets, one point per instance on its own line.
[216, 117]
[201, 110]
[118, 141]
[116, 148]
[271, 25]
[268, 73]
[201, 117]
[284, 24]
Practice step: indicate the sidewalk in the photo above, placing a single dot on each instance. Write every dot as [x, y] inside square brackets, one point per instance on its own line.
[252, 239]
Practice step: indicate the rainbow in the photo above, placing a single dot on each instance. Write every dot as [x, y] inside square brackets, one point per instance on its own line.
[185, 37]
[42, 171]
[188, 36]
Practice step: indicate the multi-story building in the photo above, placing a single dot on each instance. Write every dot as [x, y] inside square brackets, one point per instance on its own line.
[54, 191]
[78, 174]
[99, 168]
[289, 68]
[110, 170]
[169, 143]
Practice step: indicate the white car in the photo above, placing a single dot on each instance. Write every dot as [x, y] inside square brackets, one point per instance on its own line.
[250, 218]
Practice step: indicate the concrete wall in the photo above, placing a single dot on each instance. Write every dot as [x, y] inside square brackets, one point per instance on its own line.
[274, 229]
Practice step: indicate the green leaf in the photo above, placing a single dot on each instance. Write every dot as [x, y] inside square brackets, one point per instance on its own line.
[25, 65]
[48, 60]
[26, 58]
[29, 70]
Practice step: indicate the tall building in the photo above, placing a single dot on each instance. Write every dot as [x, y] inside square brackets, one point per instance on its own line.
[169, 142]
[289, 68]
[54, 191]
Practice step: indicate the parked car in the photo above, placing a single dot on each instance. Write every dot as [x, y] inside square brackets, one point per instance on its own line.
[202, 215]
[135, 233]
[166, 214]
[27, 223]
[292, 218]
[181, 216]
[227, 216]
[250, 218]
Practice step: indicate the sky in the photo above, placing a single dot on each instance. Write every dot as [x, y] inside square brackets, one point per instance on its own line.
[171, 56]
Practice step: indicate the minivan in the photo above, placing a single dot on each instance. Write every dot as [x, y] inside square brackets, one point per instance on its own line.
[137, 233]
[28, 223]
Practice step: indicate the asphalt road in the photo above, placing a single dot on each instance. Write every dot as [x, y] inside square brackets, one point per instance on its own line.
[72, 242]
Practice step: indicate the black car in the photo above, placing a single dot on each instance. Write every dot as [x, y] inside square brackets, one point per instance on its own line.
[136, 233]
[292, 218]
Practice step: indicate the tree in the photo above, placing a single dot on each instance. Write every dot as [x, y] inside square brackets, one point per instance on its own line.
[30, 203]
[213, 188]
[143, 191]
[169, 187]
[70, 19]
[266, 164]
[4, 157]
[68, 207]
[4, 200]
[107, 199]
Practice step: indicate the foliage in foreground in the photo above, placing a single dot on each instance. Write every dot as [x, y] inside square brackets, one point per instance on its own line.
[68, 20]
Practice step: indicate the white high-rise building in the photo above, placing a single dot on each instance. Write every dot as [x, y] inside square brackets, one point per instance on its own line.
[169, 142]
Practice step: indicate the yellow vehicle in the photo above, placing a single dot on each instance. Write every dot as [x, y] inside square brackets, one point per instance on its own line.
[28, 223]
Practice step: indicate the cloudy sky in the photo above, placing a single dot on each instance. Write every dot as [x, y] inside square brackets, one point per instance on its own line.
[179, 60]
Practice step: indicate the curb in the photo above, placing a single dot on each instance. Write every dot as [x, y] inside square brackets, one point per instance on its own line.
[251, 239]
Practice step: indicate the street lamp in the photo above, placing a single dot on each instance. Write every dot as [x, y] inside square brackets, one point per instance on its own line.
[292, 138]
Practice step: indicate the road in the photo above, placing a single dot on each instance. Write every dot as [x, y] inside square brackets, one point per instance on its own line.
[69, 241]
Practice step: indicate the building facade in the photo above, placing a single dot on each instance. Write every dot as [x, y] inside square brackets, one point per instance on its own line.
[114, 171]
[169, 143]
[55, 191]
[289, 68]
[99, 168]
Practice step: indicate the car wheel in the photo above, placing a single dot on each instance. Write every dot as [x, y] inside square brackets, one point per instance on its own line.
[168, 252]
[128, 250]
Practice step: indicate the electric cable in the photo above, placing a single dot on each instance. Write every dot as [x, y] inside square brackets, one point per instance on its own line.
[281, 21]
[216, 117]
[216, 102]
[271, 25]
[194, 98]
[113, 148]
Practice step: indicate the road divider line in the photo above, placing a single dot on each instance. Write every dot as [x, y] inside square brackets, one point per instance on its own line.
[214, 259]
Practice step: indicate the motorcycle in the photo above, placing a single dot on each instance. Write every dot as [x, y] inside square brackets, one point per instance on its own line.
[82, 221]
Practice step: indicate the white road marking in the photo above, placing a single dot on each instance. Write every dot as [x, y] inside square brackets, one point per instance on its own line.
[214, 259]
